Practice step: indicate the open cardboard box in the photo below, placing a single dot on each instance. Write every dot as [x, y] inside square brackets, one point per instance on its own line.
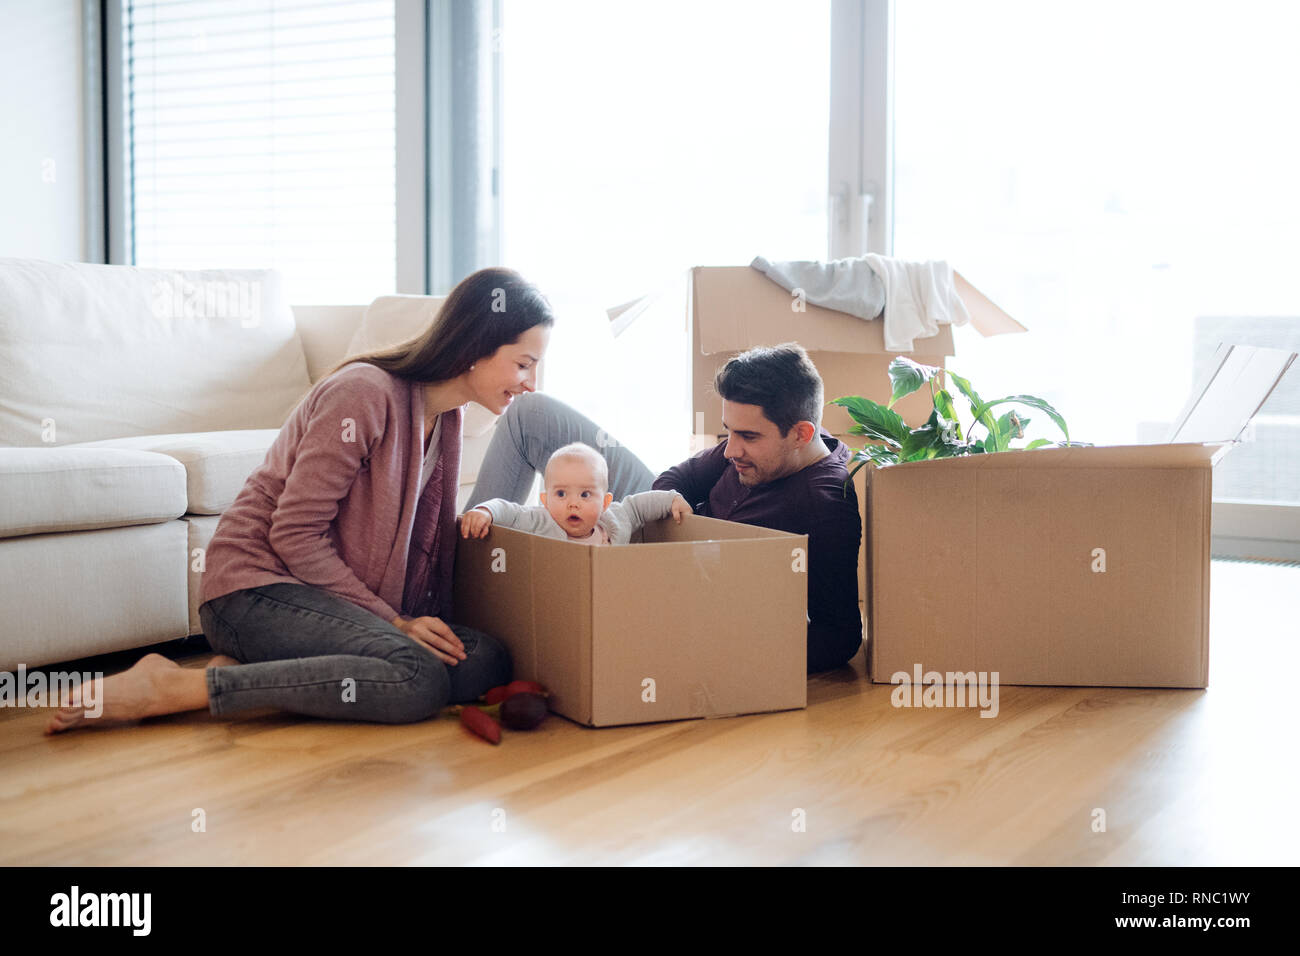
[1068, 566]
[703, 619]
[721, 311]
[690, 329]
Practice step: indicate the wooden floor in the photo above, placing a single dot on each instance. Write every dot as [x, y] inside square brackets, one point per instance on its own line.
[1184, 777]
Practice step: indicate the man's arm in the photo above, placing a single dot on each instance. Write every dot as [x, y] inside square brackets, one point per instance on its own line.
[834, 621]
[694, 478]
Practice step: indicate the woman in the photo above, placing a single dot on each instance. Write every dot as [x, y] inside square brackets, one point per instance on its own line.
[327, 584]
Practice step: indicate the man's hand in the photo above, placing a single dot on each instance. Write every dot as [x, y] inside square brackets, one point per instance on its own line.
[434, 634]
[475, 523]
[680, 507]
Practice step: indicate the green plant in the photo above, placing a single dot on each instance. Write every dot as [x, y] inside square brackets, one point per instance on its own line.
[942, 435]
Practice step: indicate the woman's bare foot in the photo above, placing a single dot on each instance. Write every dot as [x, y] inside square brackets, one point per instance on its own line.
[153, 685]
[221, 660]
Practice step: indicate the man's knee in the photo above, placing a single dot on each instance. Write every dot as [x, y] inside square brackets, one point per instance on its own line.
[532, 407]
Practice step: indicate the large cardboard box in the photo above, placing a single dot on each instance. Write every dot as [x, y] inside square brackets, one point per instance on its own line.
[1070, 566]
[703, 619]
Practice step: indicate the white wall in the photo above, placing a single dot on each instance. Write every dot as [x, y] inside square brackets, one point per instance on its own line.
[42, 138]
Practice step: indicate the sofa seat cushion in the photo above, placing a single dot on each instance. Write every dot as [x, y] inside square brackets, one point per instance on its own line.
[216, 463]
[46, 490]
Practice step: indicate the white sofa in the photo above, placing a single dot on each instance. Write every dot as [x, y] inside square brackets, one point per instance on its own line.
[133, 405]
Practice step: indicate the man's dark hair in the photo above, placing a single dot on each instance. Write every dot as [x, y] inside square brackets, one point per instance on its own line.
[781, 380]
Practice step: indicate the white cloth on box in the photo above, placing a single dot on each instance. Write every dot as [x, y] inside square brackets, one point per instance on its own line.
[919, 296]
[846, 285]
[915, 297]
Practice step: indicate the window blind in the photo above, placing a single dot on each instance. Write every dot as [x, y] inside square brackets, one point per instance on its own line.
[261, 134]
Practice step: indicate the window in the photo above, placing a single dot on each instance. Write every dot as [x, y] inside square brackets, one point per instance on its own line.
[638, 140]
[641, 139]
[1121, 178]
[261, 133]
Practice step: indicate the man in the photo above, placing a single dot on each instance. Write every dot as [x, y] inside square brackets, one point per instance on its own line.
[776, 469]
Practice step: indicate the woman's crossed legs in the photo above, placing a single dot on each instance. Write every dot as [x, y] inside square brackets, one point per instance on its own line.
[302, 650]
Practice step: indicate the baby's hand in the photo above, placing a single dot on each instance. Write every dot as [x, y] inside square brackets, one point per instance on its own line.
[475, 523]
[680, 507]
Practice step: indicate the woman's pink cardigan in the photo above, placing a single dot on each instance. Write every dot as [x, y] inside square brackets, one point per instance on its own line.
[334, 503]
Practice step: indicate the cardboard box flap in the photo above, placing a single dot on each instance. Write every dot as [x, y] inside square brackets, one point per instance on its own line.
[737, 308]
[985, 316]
[623, 315]
[1230, 393]
[1188, 455]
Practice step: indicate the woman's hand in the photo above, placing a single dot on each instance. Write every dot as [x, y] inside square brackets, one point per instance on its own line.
[434, 634]
[475, 523]
[680, 507]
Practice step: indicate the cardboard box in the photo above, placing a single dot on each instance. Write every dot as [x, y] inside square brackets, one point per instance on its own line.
[1069, 566]
[724, 310]
[703, 619]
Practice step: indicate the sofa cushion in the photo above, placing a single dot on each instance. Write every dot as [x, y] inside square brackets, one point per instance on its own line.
[216, 463]
[89, 352]
[79, 489]
[69, 596]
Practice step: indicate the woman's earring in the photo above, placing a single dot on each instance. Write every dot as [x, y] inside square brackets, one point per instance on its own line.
[471, 368]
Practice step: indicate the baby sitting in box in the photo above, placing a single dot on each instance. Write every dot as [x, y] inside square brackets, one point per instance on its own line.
[576, 505]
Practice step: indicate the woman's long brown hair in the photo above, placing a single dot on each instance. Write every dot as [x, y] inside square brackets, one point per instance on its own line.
[489, 309]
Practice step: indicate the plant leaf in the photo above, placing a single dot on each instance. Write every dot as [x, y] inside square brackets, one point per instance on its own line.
[996, 440]
[932, 440]
[986, 419]
[943, 405]
[1038, 443]
[907, 376]
[875, 455]
[1033, 402]
[875, 420]
[1010, 426]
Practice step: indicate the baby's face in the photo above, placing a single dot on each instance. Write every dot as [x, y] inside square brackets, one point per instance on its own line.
[573, 497]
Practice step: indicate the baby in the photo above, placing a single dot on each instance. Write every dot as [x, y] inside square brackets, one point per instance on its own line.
[575, 505]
